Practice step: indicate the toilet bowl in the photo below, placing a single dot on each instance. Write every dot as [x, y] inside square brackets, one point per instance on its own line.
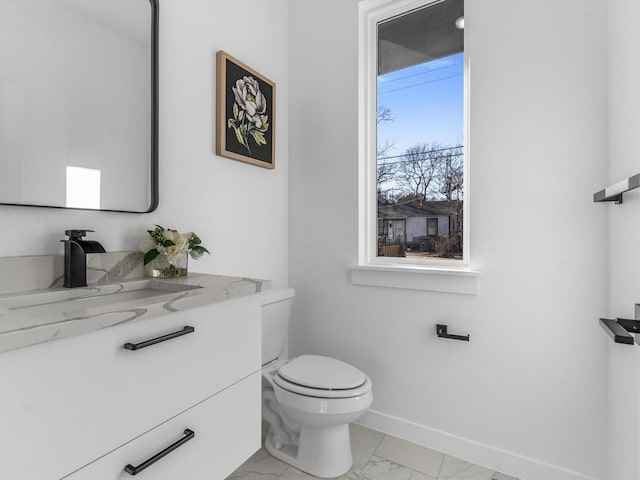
[309, 401]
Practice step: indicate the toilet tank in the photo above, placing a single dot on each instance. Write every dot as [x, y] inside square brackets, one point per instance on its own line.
[276, 311]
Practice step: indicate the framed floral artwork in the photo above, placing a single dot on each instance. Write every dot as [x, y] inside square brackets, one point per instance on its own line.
[245, 113]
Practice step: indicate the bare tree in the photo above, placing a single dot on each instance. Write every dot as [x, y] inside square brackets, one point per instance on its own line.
[385, 169]
[418, 169]
[383, 114]
[451, 174]
[450, 182]
[426, 171]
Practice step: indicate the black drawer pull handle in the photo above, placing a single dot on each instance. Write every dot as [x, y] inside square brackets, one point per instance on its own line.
[164, 338]
[131, 470]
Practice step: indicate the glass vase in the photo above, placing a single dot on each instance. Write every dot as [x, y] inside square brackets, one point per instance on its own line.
[160, 267]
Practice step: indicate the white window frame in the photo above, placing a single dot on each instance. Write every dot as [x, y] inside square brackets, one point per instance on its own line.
[445, 275]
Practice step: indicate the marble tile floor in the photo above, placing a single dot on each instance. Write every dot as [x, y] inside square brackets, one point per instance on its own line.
[376, 456]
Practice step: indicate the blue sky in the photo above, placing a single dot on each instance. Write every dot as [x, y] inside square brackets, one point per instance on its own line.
[426, 103]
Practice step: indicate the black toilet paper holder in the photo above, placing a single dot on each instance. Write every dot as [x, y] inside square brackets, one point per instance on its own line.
[441, 331]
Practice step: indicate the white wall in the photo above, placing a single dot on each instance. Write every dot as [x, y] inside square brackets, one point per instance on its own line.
[624, 231]
[239, 210]
[527, 394]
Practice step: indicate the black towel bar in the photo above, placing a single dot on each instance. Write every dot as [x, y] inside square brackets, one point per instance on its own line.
[619, 329]
[613, 193]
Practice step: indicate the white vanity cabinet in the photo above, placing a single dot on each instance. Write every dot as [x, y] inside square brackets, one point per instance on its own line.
[207, 442]
[80, 406]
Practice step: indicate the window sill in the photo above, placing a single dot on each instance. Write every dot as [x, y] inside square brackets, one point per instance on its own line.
[432, 279]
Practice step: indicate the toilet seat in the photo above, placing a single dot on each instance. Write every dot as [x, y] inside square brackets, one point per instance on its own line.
[322, 377]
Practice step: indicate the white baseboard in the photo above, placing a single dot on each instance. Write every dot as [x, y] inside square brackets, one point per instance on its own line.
[511, 463]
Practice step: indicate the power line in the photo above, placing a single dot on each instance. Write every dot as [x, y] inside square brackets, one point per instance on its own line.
[420, 84]
[421, 73]
[409, 160]
[423, 151]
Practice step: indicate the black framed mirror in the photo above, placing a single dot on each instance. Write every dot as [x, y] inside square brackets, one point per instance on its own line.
[79, 104]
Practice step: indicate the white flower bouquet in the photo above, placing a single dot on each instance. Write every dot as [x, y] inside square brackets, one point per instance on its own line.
[172, 244]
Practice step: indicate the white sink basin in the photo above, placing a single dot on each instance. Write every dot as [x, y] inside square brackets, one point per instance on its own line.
[80, 299]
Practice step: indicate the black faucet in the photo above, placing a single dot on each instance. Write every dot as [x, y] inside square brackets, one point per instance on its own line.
[75, 257]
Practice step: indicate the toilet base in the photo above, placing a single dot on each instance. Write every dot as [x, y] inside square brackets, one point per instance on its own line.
[323, 452]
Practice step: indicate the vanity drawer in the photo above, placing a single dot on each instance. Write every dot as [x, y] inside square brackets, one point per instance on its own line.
[86, 395]
[225, 432]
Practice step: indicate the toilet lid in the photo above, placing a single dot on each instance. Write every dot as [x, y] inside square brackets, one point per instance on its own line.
[323, 373]
[291, 387]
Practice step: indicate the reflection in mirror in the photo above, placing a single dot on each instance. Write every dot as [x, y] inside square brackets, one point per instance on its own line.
[78, 104]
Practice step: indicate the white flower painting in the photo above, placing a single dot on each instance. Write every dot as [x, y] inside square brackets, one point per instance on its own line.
[245, 113]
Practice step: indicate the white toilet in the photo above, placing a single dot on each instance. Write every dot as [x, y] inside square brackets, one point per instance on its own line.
[308, 401]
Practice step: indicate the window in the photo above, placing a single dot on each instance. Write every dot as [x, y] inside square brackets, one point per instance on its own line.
[413, 130]
[83, 188]
[432, 227]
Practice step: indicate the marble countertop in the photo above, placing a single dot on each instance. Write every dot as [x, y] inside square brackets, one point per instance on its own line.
[62, 312]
